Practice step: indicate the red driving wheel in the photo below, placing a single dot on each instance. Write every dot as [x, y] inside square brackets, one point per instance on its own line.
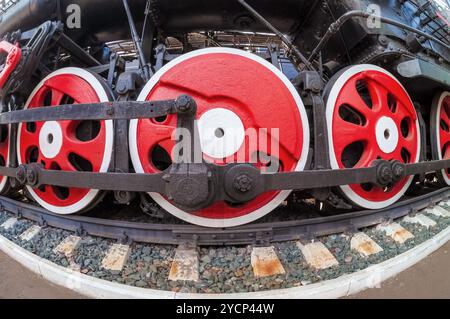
[370, 116]
[4, 155]
[239, 97]
[440, 132]
[67, 145]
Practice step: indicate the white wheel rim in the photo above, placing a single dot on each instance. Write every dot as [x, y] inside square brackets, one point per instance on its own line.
[443, 96]
[4, 180]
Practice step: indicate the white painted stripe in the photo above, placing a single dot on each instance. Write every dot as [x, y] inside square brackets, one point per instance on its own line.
[185, 265]
[421, 220]
[317, 255]
[439, 212]
[265, 262]
[30, 233]
[343, 286]
[364, 245]
[396, 232]
[117, 257]
[8, 224]
[68, 246]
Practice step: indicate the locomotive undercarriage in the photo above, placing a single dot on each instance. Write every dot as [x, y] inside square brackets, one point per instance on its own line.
[359, 126]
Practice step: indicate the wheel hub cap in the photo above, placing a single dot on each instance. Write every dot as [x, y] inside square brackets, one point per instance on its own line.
[50, 139]
[387, 135]
[222, 133]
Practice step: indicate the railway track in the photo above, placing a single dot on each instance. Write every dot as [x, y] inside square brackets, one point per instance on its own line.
[289, 259]
[253, 234]
[245, 142]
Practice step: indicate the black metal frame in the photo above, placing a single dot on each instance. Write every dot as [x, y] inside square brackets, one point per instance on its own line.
[194, 185]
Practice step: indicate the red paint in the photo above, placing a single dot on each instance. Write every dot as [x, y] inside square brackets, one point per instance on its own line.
[346, 133]
[444, 134]
[4, 148]
[61, 87]
[236, 83]
[13, 58]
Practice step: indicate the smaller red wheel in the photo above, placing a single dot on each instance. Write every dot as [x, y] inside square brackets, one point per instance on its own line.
[4, 155]
[370, 116]
[67, 145]
[440, 132]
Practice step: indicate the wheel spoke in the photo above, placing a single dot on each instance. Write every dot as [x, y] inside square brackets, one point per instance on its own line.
[366, 159]
[57, 97]
[30, 139]
[446, 155]
[354, 99]
[401, 114]
[405, 144]
[444, 136]
[90, 150]
[445, 117]
[350, 132]
[379, 95]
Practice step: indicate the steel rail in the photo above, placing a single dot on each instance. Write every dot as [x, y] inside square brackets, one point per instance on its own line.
[252, 234]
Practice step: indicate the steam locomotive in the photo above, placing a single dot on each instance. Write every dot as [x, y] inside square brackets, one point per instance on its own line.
[346, 103]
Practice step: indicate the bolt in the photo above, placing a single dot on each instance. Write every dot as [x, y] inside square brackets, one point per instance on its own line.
[31, 177]
[110, 111]
[315, 86]
[383, 40]
[185, 104]
[398, 171]
[21, 174]
[243, 183]
[384, 174]
[121, 87]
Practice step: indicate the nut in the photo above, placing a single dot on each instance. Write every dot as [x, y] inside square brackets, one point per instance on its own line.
[243, 183]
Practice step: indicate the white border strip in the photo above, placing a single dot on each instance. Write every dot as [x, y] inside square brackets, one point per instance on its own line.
[336, 288]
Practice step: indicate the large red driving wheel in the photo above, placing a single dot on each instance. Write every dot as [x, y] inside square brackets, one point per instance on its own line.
[5, 131]
[440, 132]
[239, 96]
[370, 116]
[67, 145]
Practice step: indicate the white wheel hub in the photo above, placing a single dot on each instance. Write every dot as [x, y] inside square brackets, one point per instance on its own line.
[50, 139]
[387, 135]
[222, 133]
